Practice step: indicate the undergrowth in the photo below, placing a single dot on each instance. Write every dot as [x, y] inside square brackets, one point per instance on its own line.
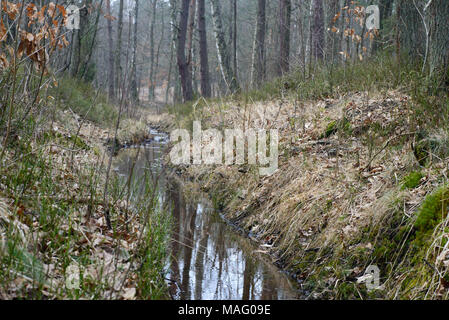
[406, 234]
[52, 209]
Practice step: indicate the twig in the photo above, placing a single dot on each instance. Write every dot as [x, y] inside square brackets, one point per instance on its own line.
[384, 147]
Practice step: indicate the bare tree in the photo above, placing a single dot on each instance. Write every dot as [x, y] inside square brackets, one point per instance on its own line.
[134, 92]
[258, 61]
[385, 7]
[174, 5]
[80, 34]
[331, 47]
[234, 36]
[318, 30]
[223, 50]
[204, 59]
[186, 77]
[111, 70]
[151, 86]
[285, 11]
[88, 56]
[437, 13]
[190, 32]
[118, 49]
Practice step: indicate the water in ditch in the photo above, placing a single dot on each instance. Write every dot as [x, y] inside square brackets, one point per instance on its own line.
[208, 259]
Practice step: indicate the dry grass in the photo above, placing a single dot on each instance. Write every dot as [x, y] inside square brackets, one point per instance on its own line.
[328, 210]
[59, 220]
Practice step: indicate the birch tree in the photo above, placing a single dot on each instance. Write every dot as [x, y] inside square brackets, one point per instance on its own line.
[118, 49]
[80, 34]
[222, 48]
[258, 61]
[111, 79]
[151, 86]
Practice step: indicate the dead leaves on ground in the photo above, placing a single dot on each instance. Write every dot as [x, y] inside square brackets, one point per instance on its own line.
[86, 234]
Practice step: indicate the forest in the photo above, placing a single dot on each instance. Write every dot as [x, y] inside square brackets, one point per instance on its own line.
[224, 150]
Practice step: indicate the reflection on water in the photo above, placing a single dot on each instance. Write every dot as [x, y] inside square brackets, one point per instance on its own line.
[208, 260]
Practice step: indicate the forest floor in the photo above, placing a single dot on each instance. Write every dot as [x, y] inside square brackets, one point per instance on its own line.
[362, 181]
[55, 242]
[349, 192]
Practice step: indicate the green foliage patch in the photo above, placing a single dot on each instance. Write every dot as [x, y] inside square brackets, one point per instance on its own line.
[412, 180]
[433, 210]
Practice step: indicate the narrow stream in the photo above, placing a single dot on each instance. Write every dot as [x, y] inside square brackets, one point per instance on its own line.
[208, 259]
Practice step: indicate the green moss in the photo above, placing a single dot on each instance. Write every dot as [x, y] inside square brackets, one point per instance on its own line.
[432, 211]
[331, 129]
[348, 290]
[78, 142]
[343, 125]
[346, 126]
[412, 180]
[97, 151]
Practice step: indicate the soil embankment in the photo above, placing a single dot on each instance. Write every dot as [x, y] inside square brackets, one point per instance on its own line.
[339, 201]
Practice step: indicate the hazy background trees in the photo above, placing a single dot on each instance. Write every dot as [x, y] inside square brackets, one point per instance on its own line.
[176, 50]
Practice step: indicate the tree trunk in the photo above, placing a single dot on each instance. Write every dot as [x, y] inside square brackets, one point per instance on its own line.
[437, 17]
[177, 94]
[190, 32]
[128, 64]
[172, 49]
[111, 53]
[79, 35]
[152, 82]
[170, 68]
[118, 49]
[223, 50]
[92, 43]
[204, 59]
[331, 39]
[159, 45]
[412, 31]
[285, 11]
[134, 93]
[186, 79]
[258, 67]
[385, 8]
[398, 37]
[234, 36]
[318, 30]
